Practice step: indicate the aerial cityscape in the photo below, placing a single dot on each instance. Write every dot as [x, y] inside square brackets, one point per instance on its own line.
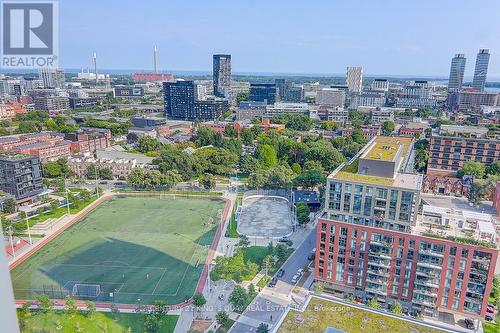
[258, 195]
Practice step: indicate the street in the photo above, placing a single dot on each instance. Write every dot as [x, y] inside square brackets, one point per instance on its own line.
[271, 303]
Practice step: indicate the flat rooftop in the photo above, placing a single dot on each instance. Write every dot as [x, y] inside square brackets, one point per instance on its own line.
[385, 149]
[451, 223]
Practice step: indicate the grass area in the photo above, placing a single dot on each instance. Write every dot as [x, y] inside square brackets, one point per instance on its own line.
[100, 322]
[133, 247]
[322, 314]
[490, 328]
[233, 224]
[383, 151]
[257, 254]
[343, 175]
[262, 282]
[225, 328]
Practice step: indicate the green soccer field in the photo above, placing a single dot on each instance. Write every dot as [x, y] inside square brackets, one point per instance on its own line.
[128, 248]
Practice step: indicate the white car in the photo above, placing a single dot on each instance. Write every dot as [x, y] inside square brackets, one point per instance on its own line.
[295, 278]
[300, 272]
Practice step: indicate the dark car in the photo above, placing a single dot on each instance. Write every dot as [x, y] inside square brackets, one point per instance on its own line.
[488, 318]
[273, 282]
[469, 323]
[280, 272]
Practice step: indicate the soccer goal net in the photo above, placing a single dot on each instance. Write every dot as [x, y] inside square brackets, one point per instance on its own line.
[84, 290]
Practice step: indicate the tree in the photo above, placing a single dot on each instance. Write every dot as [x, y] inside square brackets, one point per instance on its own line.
[421, 158]
[262, 328]
[476, 193]
[222, 318]
[90, 309]
[396, 307]
[373, 303]
[239, 298]
[160, 309]
[230, 131]
[472, 168]
[358, 137]
[242, 96]
[45, 303]
[199, 300]
[324, 152]
[70, 305]
[151, 324]
[207, 181]
[267, 156]
[52, 169]
[388, 127]
[329, 125]
[22, 314]
[136, 178]
[309, 178]
[92, 171]
[147, 144]
[493, 169]
[248, 164]
[244, 241]
[9, 205]
[280, 176]
[268, 262]
[303, 212]
[105, 173]
[281, 253]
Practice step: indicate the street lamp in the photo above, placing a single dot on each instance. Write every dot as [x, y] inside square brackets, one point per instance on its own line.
[28, 228]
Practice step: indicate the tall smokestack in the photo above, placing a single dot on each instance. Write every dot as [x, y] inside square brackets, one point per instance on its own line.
[94, 58]
[155, 59]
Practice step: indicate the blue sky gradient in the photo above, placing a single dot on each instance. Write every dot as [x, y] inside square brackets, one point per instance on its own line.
[392, 37]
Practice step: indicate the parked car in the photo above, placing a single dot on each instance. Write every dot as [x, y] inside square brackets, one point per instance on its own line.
[283, 239]
[280, 272]
[488, 318]
[273, 282]
[490, 309]
[295, 279]
[469, 323]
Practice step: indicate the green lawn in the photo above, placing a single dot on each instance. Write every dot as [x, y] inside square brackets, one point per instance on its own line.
[47, 322]
[233, 224]
[322, 314]
[133, 247]
[225, 328]
[490, 328]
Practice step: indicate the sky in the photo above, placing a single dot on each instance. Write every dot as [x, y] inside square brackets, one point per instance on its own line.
[385, 37]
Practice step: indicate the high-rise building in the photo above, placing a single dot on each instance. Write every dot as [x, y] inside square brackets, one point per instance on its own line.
[380, 84]
[281, 84]
[457, 70]
[52, 77]
[179, 99]
[354, 79]
[180, 103]
[481, 70]
[20, 175]
[373, 243]
[222, 75]
[264, 92]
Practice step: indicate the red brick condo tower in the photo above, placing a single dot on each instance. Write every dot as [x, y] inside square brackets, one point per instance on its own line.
[373, 242]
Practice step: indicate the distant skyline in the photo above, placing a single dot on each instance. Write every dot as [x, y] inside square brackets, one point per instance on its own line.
[417, 38]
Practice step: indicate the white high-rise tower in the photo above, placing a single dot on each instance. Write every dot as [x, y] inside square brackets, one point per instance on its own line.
[94, 58]
[155, 60]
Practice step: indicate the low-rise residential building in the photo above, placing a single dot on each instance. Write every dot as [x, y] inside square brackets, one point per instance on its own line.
[373, 243]
[338, 115]
[411, 132]
[88, 139]
[11, 110]
[20, 176]
[453, 145]
[120, 163]
[447, 185]
[369, 132]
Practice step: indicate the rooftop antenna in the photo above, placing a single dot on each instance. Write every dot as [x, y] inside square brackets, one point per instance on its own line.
[94, 58]
[155, 59]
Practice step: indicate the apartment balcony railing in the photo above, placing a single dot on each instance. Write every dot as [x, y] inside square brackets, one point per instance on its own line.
[431, 253]
[429, 265]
